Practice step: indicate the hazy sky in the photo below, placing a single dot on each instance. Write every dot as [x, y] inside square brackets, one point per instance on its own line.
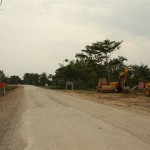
[37, 35]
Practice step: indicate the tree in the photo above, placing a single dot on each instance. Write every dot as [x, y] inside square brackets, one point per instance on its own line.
[81, 73]
[2, 76]
[31, 78]
[139, 73]
[35, 78]
[64, 73]
[117, 65]
[14, 80]
[43, 79]
[99, 53]
[27, 78]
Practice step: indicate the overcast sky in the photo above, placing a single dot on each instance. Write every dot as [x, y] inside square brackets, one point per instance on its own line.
[37, 35]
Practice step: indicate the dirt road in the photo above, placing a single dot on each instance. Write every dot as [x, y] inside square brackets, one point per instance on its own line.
[51, 120]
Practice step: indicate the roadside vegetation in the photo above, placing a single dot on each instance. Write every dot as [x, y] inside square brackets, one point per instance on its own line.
[94, 61]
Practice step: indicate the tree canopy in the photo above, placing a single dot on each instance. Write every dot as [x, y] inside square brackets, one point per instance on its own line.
[99, 53]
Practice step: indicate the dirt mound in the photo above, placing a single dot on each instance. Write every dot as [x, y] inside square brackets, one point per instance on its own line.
[132, 101]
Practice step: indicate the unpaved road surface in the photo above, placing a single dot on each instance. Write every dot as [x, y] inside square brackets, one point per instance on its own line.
[44, 119]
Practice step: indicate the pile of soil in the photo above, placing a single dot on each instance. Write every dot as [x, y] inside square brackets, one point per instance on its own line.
[131, 101]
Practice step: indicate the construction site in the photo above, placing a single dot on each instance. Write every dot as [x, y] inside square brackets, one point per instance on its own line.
[110, 100]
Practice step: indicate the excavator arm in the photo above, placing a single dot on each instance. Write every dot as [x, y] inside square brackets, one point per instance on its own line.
[122, 81]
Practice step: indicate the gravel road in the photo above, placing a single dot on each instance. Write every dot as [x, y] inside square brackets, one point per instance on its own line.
[51, 120]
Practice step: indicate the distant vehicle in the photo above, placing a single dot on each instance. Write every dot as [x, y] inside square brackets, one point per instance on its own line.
[119, 86]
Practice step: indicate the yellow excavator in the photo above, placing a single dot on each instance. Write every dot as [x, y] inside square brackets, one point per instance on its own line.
[147, 89]
[119, 86]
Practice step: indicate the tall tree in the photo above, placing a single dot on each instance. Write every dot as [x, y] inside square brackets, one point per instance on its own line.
[27, 78]
[99, 53]
[35, 78]
[2, 76]
[43, 79]
[117, 65]
[139, 73]
[14, 80]
[81, 73]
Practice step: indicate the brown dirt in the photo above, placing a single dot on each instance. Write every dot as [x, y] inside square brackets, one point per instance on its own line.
[9, 114]
[132, 101]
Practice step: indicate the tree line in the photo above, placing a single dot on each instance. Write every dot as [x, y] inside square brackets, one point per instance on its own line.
[28, 78]
[93, 62]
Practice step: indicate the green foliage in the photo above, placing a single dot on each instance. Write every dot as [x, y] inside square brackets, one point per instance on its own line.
[99, 54]
[116, 66]
[43, 79]
[80, 85]
[37, 79]
[2, 76]
[76, 71]
[31, 79]
[14, 80]
[139, 73]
